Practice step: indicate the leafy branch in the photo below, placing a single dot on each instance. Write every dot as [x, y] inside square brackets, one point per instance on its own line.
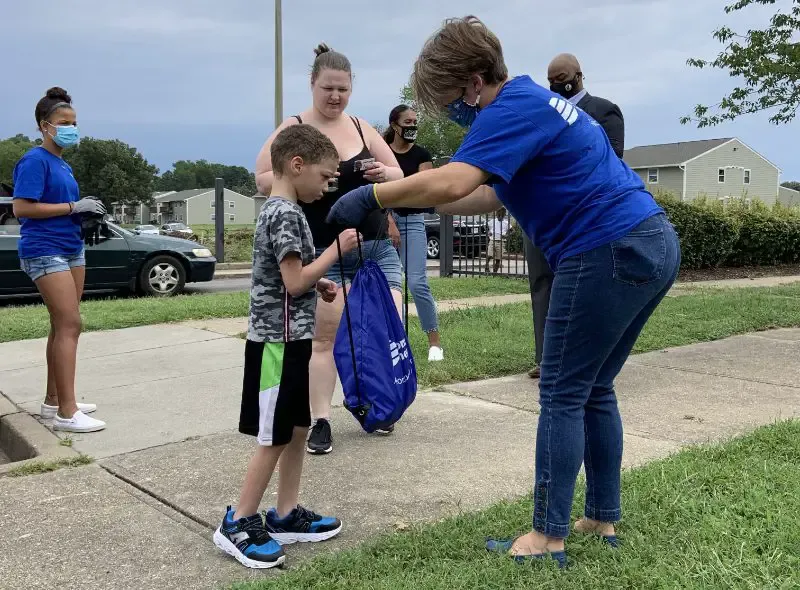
[768, 62]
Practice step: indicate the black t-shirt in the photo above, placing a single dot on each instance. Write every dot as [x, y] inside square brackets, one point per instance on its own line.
[409, 163]
[374, 227]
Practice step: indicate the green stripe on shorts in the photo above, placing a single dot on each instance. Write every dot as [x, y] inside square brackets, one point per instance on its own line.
[271, 365]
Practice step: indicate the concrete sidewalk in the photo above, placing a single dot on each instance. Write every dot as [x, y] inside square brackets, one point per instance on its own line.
[171, 459]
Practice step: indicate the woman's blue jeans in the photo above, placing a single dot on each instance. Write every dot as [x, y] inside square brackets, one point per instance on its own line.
[413, 256]
[599, 304]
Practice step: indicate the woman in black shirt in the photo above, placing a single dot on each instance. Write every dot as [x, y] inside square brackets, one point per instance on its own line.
[401, 135]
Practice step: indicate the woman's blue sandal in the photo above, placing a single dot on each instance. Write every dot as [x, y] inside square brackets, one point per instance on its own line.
[504, 546]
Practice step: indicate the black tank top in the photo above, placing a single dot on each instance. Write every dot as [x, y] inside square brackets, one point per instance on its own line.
[374, 227]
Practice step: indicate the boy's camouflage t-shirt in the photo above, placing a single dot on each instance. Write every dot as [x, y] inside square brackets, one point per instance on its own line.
[276, 316]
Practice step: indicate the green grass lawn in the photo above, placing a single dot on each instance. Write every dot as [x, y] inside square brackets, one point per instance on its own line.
[31, 321]
[724, 516]
[491, 342]
[479, 342]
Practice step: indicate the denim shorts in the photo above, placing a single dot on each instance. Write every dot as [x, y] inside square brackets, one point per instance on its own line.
[36, 268]
[381, 251]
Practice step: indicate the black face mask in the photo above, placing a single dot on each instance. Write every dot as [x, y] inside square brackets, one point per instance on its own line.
[566, 89]
[408, 133]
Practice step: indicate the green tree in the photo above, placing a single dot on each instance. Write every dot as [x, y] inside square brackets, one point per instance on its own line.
[792, 184]
[188, 174]
[768, 61]
[440, 136]
[11, 150]
[111, 170]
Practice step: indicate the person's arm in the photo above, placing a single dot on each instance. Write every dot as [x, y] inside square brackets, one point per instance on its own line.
[29, 209]
[434, 187]
[264, 175]
[29, 183]
[498, 144]
[614, 126]
[284, 231]
[300, 279]
[382, 153]
[482, 200]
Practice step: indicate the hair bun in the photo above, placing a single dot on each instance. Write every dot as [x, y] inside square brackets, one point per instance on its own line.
[58, 93]
[321, 48]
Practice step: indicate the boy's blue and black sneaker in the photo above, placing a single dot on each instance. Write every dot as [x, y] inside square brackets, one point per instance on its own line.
[301, 526]
[248, 541]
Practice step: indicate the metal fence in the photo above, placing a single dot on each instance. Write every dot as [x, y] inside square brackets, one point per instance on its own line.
[477, 245]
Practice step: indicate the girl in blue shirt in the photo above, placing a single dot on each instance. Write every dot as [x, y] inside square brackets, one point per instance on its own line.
[47, 202]
[613, 252]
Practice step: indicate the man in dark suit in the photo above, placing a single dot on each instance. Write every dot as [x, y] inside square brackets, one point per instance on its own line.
[565, 77]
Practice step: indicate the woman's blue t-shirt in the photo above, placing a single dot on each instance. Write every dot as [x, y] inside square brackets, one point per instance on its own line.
[40, 176]
[553, 168]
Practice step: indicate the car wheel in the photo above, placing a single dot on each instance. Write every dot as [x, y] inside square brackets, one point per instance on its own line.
[433, 247]
[162, 276]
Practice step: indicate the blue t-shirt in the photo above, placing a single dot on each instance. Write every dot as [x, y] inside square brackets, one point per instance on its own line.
[553, 168]
[41, 176]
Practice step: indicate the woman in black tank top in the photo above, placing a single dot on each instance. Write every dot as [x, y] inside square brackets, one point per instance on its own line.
[331, 84]
[375, 227]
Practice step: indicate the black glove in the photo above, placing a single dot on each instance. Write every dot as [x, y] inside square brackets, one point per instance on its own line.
[92, 226]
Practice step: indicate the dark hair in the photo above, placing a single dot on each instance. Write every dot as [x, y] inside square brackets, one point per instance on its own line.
[54, 99]
[328, 59]
[394, 117]
[301, 140]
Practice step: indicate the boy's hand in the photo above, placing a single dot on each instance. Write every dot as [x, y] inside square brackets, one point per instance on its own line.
[327, 290]
[348, 240]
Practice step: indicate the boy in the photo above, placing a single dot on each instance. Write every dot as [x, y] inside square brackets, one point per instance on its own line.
[275, 405]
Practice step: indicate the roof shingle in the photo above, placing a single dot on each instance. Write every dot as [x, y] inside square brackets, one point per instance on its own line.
[669, 154]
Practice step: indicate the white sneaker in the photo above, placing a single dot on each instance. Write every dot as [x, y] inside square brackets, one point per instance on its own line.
[49, 412]
[435, 354]
[79, 422]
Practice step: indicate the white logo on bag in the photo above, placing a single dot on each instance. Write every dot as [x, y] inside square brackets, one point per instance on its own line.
[399, 351]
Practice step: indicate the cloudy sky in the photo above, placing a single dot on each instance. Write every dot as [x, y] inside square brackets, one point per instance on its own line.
[191, 79]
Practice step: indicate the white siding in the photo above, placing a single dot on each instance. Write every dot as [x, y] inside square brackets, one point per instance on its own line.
[734, 157]
[787, 196]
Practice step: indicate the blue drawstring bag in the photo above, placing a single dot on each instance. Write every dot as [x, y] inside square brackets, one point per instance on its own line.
[372, 352]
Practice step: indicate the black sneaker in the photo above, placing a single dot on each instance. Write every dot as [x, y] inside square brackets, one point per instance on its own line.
[301, 526]
[320, 442]
[247, 540]
[385, 431]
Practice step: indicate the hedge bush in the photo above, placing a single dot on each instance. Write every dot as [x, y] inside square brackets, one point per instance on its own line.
[713, 235]
[708, 236]
[739, 234]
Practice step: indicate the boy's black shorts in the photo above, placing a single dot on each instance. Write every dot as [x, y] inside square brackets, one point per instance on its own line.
[275, 390]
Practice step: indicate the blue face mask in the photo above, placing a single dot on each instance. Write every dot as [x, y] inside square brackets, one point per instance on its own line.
[66, 135]
[461, 112]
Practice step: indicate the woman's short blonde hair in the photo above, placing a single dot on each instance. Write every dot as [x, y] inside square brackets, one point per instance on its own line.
[461, 48]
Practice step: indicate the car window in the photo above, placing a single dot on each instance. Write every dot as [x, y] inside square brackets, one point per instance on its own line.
[9, 230]
[120, 230]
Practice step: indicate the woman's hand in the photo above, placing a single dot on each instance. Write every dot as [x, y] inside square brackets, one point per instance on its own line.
[89, 205]
[378, 172]
[393, 231]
